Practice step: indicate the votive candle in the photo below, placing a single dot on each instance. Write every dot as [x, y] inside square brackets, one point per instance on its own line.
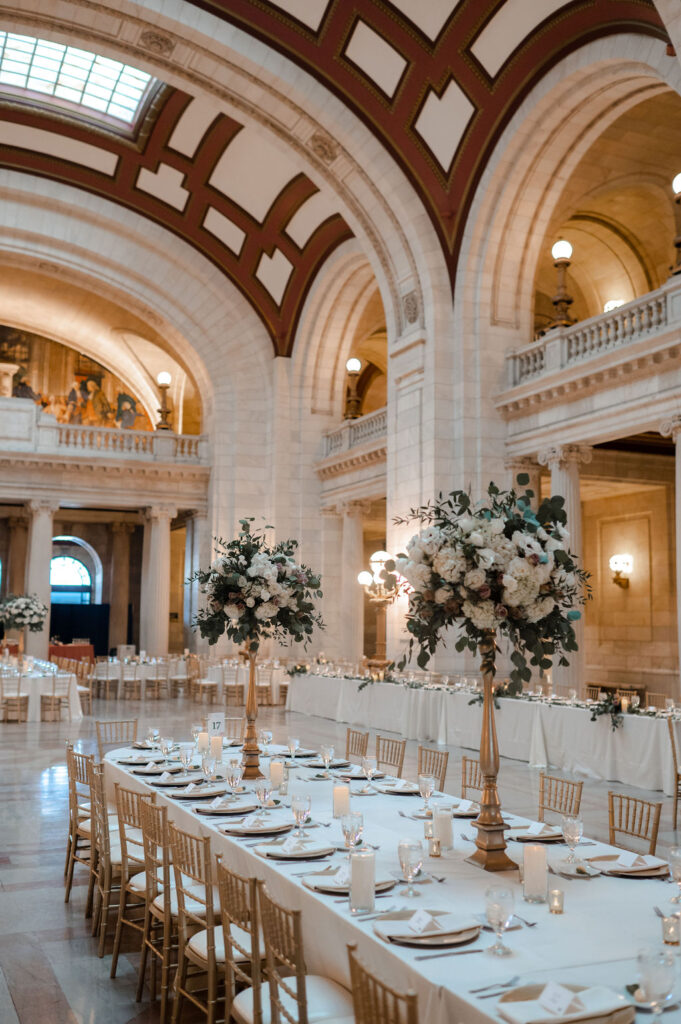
[341, 801]
[556, 897]
[203, 743]
[216, 747]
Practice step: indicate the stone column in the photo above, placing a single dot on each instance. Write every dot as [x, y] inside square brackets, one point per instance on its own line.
[672, 428]
[38, 569]
[352, 563]
[196, 556]
[331, 640]
[155, 610]
[532, 468]
[564, 462]
[120, 583]
[18, 546]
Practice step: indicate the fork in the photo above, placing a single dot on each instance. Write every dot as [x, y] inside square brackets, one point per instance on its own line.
[528, 924]
[498, 984]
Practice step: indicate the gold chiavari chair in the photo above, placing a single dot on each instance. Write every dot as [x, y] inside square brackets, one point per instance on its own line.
[390, 754]
[108, 675]
[235, 729]
[294, 995]
[558, 795]
[79, 847]
[85, 687]
[132, 681]
[263, 687]
[156, 681]
[203, 687]
[52, 704]
[677, 772]
[433, 762]
[197, 959]
[14, 702]
[159, 931]
[241, 942]
[115, 734]
[630, 816]
[592, 692]
[232, 689]
[106, 857]
[471, 778]
[655, 700]
[356, 744]
[375, 1002]
[132, 897]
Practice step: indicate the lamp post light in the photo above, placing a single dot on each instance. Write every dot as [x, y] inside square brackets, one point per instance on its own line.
[381, 586]
[352, 401]
[562, 300]
[164, 380]
[676, 189]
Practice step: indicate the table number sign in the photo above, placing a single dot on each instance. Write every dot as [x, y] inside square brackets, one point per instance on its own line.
[215, 724]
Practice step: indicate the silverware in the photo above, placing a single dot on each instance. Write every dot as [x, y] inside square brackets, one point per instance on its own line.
[659, 912]
[371, 917]
[528, 924]
[378, 896]
[497, 984]
[437, 878]
[455, 952]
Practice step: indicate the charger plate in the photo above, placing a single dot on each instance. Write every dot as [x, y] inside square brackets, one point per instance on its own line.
[555, 836]
[157, 769]
[250, 830]
[606, 865]
[325, 884]
[140, 761]
[183, 780]
[334, 763]
[461, 938]
[197, 794]
[355, 772]
[227, 809]
[274, 850]
[409, 789]
[525, 993]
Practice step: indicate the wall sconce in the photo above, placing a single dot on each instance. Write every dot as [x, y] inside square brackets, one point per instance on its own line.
[676, 189]
[164, 380]
[621, 566]
[352, 400]
[561, 251]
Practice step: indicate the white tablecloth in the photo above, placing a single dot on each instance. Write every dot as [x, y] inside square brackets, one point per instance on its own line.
[35, 685]
[606, 920]
[637, 754]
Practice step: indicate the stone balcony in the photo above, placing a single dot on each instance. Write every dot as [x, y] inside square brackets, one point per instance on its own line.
[353, 457]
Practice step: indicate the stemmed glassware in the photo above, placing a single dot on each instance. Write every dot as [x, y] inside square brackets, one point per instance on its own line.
[327, 757]
[675, 865]
[186, 756]
[196, 729]
[235, 774]
[152, 736]
[166, 744]
[499, 904]
[410, 854]
[301, 805]
[265, 739]
[369, 767]
[657, 973]
[352, 825]
[426, 789]
[263, 792]
[573, 830]
[208, 767]
[293, 745]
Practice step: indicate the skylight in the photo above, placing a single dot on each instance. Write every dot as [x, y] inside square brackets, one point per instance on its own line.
[73, 75]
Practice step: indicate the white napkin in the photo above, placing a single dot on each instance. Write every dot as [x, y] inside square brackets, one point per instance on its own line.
[464, 805]
[252, 821]
[190, 788]
[595, 1002]
[445, 924]
[342, 876]
[293, 845]
[539, 828]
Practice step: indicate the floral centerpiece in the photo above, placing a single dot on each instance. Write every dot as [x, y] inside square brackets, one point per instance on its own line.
[256, 591]
[496, 569]
[21, 612]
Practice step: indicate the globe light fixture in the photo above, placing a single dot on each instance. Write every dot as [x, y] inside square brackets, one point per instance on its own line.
[353, 365]
[164, 380]
[621, 566]
[561, 251]
[365, 578]
[352, 400]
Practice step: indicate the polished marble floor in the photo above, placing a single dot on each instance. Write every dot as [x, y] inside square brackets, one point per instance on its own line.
[49, 970]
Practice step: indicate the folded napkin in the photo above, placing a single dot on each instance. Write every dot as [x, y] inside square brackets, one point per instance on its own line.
[540, 828]
[591, 1002]
[638, 861]
[253, 821]
[165, 776]
[150, 765]
[444, 925]
[218, 802]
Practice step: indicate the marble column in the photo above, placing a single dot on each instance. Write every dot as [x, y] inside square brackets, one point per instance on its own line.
[18, 547]
[155, 612]
[352, 563]
[528, 465]
[564, 462]
[331, 641]
[196, 556]
[672, 428]
[120, 583]
[38, 569]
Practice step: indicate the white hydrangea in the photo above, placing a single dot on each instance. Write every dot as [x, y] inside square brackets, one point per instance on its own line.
[475, 578]
[481, 615]
[266, 611]
[443, 594]
[233, 612]
[417, 574]
[449, 564]
[540, 609]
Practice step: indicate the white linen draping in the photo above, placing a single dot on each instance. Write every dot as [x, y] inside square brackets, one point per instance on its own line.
[637, 754]
[581, 946]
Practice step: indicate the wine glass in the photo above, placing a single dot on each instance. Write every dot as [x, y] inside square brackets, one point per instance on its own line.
[352, 825]
[186, 756]
[300, 805]
[675, 865]
[657, 973]
[235, 773]
[196, 729]
[293, 745]
[263, 792]
[166, 744]
[499, 910]
[410, 854]
[152, 736]
[208, 767]
[426, 789]
[265, 739]
[369, 767]
[327, 757]
[573, 830]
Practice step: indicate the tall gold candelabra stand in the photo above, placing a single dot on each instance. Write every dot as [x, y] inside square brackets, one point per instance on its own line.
[490, 840]
[250, 750]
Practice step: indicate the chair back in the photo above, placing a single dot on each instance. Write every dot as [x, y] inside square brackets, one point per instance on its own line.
[100, 817]
[471, 777]
[129, 808]
[283, 935]
[61, 685]
[558, 795]
[193, 884]
[672, 740]
[235, 729]
[374, 1002]
[390, 754]
[655, 700]
[157, 862]
[111, 734]
[228, 675]
[592, 692]
[239, 907]
[631, 816]
[77, 769]
[433, 762]
[356, 744]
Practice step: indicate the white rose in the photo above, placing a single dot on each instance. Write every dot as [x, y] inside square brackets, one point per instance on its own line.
[264, 595]
[496, 526]
[232, 612]
[486, 557]
[476, 538]
[466, 523]
[250, 602]
[443, 594]
[474, 579]
[481, 615]
[510, 582]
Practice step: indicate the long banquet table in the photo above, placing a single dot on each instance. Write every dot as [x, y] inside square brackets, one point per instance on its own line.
[594, 942]
[637, 754]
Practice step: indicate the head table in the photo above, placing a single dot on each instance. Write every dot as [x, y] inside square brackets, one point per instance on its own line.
[595, 942]
[638, 753]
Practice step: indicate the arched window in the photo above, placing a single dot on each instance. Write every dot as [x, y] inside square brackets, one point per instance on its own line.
[70, 581]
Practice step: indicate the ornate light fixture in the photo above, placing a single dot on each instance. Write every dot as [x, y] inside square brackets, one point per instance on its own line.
[352, 401]
[676, 189]
[562, 300]
[621, 566]
[164, 380]
[382, 586]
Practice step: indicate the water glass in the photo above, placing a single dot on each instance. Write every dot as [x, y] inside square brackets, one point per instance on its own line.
[352, 825]
[293, 745]
[327, 757]
[426, 789]
[573, 830]
[265, 740]
[410, 854]
[499, 904]
[186, 756]
[208, 767]
[657, 974]
[196, 729]
[263, 792]
[166, 744]
[234, 775]
[369, 767]
[301, 805]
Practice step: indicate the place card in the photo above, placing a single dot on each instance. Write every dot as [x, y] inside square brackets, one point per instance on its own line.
[215, 803]
[292, 845]
[251, 821]
[343, 874]
[464, 805]
[536, 828]
[150, 765]
[191, 787]
[422, 923]
[627, 859]
[166, 776]
[557, 999]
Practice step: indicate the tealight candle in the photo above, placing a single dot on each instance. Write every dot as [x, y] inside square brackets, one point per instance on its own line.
[535, 874]
[341, 801]
[556, 897]
[625, 705]
[434, 847]
[427, 830]
[362, 880]
[671, 930]
[276, 774]
[203, 743]
[216, 747]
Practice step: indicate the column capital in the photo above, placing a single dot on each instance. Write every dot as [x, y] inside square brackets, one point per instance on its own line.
[355, 507]
[160, 512]
[121, 527]
[520, 463]
[330, 512]
[17, 522]
[42, 506]
[562, 455]
[671, 427]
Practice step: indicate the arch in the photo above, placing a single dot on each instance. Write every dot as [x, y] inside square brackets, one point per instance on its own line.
[96, 562]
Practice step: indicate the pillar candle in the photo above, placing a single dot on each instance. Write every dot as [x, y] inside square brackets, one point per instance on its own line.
[215, 747]
[362, 880]
[442, 827]
[276, 773]
[204, 743]
[535, 873]
[341, 801]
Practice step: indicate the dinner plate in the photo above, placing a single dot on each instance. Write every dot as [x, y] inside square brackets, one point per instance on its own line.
[311, 851]
[408, 789]
[555, 836]
[458, 938]
[606, 864]
[324, 883]
[270, 829]
[226, 809]
[202, 793]
[182, 780]
[625, 1014]
[472, 812]
[335, 763]
[141, 761]
[158, 769]
[355, 772]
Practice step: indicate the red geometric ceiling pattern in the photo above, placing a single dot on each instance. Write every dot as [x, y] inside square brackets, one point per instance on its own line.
[435, 80]
[271, 263]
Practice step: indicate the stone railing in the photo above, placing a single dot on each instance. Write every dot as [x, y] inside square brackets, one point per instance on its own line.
[367, 428]
[565, 347]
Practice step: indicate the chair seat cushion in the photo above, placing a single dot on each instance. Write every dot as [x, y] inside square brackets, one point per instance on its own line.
[85, 825]
[205, 682]
[198, 944]
[326, 1001]
[138, 882]
[193, 906]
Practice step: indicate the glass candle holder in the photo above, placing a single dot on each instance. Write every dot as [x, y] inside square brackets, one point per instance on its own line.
[427, 830]
[362, 880]
[671, 930]
[434, 847]
[556, 901]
